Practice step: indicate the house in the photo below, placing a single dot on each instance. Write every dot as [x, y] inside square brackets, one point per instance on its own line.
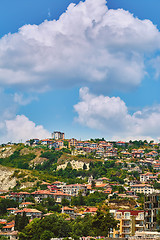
[91, 210]
[120, 144]
[11, 210]
[58, 196]
[146, 177]
[9, 227]
[156, 166]
[108, 190]
[25, 204]
[18, 197]
[137, 153]
[68, 210]
[41, 194]
[152, 154]
[31, 213]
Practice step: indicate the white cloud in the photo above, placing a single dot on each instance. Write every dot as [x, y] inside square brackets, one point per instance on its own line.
[21, 128]
[20, 99]
[15, 127]
[89, 45]
[111, 116]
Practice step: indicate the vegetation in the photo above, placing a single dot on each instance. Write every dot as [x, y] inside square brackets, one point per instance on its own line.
[6, 203]
[57, 227]
[17, 160]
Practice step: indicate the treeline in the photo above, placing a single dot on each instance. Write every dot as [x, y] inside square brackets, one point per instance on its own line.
[59, 226]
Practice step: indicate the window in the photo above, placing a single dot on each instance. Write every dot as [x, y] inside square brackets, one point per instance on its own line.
[119, 215]
[127, 215]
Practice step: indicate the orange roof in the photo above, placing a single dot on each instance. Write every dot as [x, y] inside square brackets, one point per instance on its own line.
[42, 192]
[67, 208]
[101, 185]
[28, 210]
[91, 209]
[9, 226]
[26, 203]
[2, 196]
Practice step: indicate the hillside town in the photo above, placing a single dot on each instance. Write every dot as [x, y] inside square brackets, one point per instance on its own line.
[124, 176]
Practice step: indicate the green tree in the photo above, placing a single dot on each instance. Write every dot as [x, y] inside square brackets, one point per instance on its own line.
[21, 221]
[84, 167]
[103, 221]
[54, 224]
[46, 235]
[65, 202]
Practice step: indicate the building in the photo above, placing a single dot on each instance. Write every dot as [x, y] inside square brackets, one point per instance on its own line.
[31, 213]
[73, 189]
[151, 206]
[146, 177]
[57, 135]
[130, 221]
[142, 188]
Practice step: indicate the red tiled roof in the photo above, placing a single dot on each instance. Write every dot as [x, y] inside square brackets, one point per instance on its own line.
[132, 212]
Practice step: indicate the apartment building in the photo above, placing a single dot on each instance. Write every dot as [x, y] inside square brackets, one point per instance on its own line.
[129, 223]
[142, 188]
[73, 189]
[151, 206]
[57, 135]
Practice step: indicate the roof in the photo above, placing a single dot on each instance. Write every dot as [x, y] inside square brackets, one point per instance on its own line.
[67, 208]
[27, 210]
[90, 209]
[42, 192]
[132, 212]
[26, 203]
[9, 226]
[60, 194]
[141, 185]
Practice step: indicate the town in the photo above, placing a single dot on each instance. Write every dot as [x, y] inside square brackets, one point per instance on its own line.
[75, 180]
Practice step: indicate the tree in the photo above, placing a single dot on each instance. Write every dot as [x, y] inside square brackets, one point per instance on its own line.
[65, 202]
[84, 166]
[21, 221]
[103, 221]
[93, 184]
[53, 225]
[46, 235]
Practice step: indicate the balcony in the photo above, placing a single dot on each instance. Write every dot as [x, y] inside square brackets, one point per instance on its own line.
[139, 225]
[126, 231]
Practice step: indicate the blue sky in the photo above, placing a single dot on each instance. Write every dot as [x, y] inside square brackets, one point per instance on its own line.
[91, 72]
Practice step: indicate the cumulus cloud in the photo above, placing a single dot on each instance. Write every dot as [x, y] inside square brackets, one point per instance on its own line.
[88, 45]
[111, 116]
[15, 127]
[21, 128]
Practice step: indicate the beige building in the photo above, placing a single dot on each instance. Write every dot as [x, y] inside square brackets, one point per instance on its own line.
[129, 223]
[142, 188]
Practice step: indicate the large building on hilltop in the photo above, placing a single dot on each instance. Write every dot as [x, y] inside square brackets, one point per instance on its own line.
[57, 135]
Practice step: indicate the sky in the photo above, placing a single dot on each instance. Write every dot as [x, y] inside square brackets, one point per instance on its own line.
[87, 68]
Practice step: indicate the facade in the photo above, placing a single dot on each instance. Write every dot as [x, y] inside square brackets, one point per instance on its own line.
[151, 206]
[73, 189]
[146, 177]
[57, 135]
[142, 188]
[32, 213]
[129, 223]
